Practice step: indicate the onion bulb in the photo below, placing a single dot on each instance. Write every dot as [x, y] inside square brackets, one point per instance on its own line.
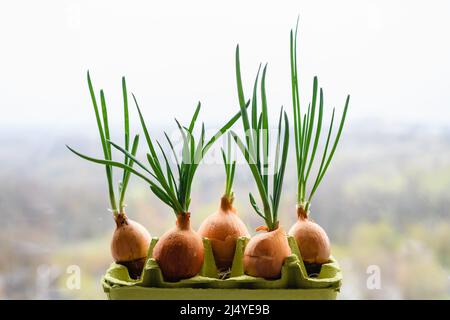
[223, 228]
[265, 253]
[179, 252]
[129, 244]
[312, 240]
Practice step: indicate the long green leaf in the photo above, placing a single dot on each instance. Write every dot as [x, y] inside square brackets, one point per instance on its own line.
[125, 112]
[239, 80]
[324, 155]
[97, 115]
[194, 117]
[254, 129]
[259, 182]
[255, 206]
[258, 144]
[265, 127]
[105, 123]
[244, 114]
[155, 159]
[126, 177]
[229, 167]
[108, 169]
[108, 155]
[277, 159]
[317, 135]
[170, 176]
[126, 127]
[336, 141]
[295, 103]
[310, 124]
[280, 176]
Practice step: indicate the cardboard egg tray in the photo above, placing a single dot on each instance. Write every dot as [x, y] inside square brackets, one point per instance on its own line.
[294, 284]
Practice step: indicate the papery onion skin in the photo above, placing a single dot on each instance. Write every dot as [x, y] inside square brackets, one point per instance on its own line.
[129, 244]
[179, 252]
[312, 240]
[223, 228]
[265, 253]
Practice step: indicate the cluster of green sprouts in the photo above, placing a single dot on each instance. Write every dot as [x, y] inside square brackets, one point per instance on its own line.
[117, 207]
[159, 174]
[176, 194]
[303, 132]
[256, 148]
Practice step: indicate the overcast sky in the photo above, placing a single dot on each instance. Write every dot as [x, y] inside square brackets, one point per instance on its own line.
[393, 57]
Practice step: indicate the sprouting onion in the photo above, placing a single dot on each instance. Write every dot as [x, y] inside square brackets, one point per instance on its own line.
[265, 253]
[179, 252]
[312, 240]
[224, 226]
[130, 240]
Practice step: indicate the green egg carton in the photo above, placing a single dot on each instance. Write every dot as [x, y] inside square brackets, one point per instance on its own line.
[294, 283]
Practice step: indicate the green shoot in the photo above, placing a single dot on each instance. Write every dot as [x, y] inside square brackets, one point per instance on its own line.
[173, 187]
[230, 167]
[103, 128]
[256, 149]
[306, 142]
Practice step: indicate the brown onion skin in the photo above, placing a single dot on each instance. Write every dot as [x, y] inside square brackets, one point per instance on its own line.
[129, 244]
[265, 253]
[223, 228]
[312, 240]
[179, 252]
